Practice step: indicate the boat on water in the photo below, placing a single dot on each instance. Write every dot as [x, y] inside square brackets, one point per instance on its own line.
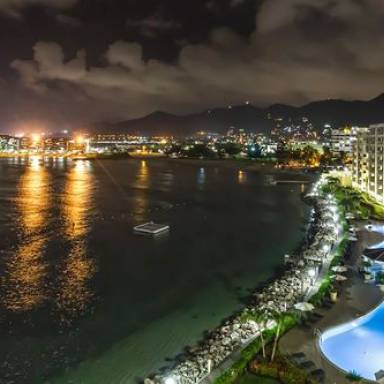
[151, 228]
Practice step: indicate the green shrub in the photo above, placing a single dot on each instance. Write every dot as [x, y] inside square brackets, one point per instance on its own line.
[380, 277]
[353, 376]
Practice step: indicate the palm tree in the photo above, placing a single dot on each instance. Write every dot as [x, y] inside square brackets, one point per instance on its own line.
[353, 376]
[278, 319]
[261, 319]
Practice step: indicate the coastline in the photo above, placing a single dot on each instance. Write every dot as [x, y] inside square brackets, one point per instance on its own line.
[246, 164]
[278, 250]
[249, 332]
[121, 351]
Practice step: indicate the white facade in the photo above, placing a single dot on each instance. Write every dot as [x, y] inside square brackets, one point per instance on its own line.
[342, 140]
[368, 162]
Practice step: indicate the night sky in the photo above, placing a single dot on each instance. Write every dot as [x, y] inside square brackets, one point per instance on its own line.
[65, 63]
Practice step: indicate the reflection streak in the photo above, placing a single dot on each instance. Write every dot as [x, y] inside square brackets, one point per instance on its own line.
[26, 269]
[74, 294]
[142, 183]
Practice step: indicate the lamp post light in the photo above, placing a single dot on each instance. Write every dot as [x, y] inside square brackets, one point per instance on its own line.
[302, 284]
[171, 380]
[312, 275]
[209, 366]
[326, 248]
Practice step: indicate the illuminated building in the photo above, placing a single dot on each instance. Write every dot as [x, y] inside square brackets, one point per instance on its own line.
[55, 144]
[368, 161]
[342, 139]
[125, 142]
[25, 143]
[9, 143]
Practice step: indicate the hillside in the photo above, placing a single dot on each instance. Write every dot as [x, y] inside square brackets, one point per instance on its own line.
[251, 118]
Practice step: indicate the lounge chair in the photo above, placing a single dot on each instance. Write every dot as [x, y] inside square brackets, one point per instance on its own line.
[307, 365]
[318, 375]
[298, 355]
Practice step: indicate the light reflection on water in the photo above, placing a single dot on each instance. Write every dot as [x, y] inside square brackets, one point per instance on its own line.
[87, 275]
[201, 177]
[142, 179]
[241, 177]
[26, 268]
[74, 293]
[141, 204]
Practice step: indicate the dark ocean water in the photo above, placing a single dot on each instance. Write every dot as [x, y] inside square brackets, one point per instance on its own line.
[84, 300]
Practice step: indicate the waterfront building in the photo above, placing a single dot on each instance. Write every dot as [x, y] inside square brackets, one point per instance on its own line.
[55, 144]
[342, 140]
[120, 142]
[368, 161]
[25, 143]
[9, 143]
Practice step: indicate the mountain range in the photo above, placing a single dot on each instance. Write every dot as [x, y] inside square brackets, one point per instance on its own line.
[251, 118]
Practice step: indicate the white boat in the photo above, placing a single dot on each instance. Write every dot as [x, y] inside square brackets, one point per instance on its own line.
[151, 228]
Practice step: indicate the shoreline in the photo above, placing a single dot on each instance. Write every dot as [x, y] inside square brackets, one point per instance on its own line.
[248, 164]
[231, 294]
[277, 175]
[198, 368]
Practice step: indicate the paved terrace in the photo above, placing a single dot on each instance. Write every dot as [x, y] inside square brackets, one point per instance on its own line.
[356, 299]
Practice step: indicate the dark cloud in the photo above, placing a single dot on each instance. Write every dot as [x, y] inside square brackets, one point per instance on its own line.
[154, 25]
[13, 7]
[299, 50]
[66, 20]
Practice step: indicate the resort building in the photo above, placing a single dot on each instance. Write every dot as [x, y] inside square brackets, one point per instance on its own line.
[368, 161]
[342, 140]
[9, 143]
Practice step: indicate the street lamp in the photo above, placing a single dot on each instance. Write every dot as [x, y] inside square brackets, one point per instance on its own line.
[326, 248]
[171, 380]
[312, 274]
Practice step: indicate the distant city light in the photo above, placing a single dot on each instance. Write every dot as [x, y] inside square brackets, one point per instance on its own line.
[36, 138]
[80, 140]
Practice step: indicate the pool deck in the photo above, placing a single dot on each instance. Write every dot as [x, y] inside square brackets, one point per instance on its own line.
[356, 299]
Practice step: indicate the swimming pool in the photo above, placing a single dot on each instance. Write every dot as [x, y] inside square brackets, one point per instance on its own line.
[358, 345]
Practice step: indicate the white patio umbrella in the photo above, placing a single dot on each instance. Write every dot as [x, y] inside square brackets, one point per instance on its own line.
[381, 287]
[339, 268]
[340, 278]
[304, 307]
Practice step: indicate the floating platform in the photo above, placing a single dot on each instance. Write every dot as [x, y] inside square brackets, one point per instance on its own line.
[151, 228]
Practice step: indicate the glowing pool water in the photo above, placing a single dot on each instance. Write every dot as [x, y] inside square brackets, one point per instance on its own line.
[358, 345]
